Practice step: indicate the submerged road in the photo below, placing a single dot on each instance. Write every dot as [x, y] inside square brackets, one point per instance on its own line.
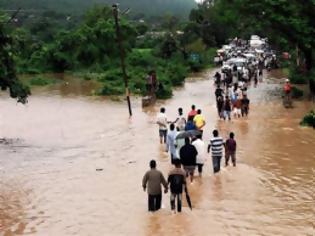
[73, 165]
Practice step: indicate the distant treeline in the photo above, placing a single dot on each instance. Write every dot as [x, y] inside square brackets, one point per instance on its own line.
[148, 7]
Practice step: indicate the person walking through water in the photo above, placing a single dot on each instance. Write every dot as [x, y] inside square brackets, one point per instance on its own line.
[237, 108]
[171, 142]
[190, 124]
[217, 79]
[216, 145]
[245, 105]
[151, 83]
[176, 181]
[227, 108]
[162, 122]
[220, 104]
[256, 78]
[180, 120]
[199, 121]
[152, 181]
[188, 155]
[192, 113]
[287, 91]
[201, 149]
[230, 150]
[218, 92]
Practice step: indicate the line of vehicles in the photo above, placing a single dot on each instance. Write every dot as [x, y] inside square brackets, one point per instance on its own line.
[246, 57]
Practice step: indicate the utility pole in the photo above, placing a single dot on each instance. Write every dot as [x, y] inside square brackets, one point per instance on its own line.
[122, 55]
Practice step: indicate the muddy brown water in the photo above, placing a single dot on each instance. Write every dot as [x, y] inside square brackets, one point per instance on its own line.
[72, 165]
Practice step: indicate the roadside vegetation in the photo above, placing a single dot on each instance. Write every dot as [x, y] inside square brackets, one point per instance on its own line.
[59, 42]
[309, 119]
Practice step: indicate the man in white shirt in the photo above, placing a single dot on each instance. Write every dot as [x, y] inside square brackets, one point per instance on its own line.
[162, 122]
[201, 149]
[171, 143]
[180, 120]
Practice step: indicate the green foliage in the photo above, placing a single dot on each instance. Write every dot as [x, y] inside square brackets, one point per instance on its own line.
[164, 92]
[309, 119]
[141, 28]
[168, 46]
[176, 73]
[110, 89]
[297, 93]
[90, 48]
[197, 46]
[141, 57]
[296, 77]
[149, 8]
[41, 81]
[8, 78]
[287, 23]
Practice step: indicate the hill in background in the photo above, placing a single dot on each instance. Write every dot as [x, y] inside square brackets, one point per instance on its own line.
[148, 7]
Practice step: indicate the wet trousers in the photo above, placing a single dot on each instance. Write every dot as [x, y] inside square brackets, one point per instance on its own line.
[216, 163]
[154, 202]
[228, 156]
[179, 201]
[199, 168]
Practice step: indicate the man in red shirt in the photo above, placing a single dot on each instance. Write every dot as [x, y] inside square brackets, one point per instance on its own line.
[287, 90]
[192, 113]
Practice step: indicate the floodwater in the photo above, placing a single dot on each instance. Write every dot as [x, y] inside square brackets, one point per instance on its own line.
[73, 165]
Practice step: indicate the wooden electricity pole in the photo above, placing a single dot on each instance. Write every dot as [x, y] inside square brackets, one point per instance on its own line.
[122, 55]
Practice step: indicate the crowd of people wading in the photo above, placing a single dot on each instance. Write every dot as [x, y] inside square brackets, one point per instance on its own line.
[242, 63]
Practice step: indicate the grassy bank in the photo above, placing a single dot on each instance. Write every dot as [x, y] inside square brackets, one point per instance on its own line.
[170, 72]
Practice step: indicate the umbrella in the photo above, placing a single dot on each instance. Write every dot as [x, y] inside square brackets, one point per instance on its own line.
[189, 133]
[188, 198]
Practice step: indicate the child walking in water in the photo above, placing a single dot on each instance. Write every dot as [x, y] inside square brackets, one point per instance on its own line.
[230, 150]
[177, 180]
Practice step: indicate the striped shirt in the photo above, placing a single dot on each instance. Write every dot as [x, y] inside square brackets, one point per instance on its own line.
[216, 146]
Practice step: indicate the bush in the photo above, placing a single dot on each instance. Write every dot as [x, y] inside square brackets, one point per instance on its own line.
[40, 81]
[141, 57]
[176, 74]
[111, 89]
[297, 77]
[204, 60]
[113, 75]
[137, 80]
[309, 119]
[297, 93]
[164, 92]
[195, 66]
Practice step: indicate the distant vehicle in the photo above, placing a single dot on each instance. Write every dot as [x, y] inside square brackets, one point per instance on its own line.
[227, 47]
[256, 43]
[259, 52]
[239, 62]
[254, 37]
[225, 68]
[249, 56]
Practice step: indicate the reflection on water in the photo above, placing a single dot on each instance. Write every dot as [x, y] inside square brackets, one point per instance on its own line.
[49, 183]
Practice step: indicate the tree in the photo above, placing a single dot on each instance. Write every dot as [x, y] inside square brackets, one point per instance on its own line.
[8, 78]
[289, 19]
